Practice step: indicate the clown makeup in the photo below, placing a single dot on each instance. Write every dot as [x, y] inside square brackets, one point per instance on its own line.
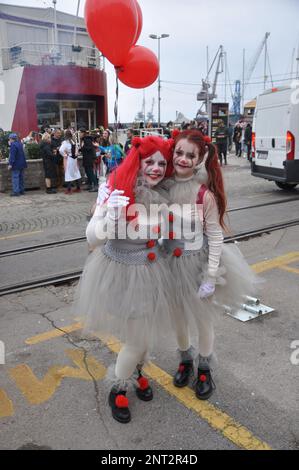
[153, 168]
[185, 158]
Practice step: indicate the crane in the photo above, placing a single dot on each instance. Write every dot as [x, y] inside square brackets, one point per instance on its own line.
[247, 76]
[204, 95]
[150, 114]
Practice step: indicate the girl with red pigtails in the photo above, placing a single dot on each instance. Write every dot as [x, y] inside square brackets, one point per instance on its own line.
[126, 289]
[204, 268]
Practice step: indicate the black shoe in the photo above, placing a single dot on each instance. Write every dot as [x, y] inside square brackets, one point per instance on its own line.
[204, 386]
[51, 191]
[182, 377]
[15, 195]
[144, 391]
[88, 188]
[119, 406]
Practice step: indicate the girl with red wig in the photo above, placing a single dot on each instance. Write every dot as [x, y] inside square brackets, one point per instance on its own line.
[198, 258]
[126, 289]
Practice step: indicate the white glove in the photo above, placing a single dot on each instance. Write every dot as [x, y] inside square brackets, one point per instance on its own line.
[103, 193]
[206, 290]
[115, 204]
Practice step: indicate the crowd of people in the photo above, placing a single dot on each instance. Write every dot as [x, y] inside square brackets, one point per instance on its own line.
[101, 153]
[240, 135]
[60, 150]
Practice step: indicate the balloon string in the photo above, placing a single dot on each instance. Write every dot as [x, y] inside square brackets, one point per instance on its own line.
[116, 108]
[116, 122]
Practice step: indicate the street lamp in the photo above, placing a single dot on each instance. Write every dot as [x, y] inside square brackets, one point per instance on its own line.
[154, 36]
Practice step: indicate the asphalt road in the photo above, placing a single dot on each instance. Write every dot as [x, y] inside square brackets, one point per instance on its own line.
[49, 398]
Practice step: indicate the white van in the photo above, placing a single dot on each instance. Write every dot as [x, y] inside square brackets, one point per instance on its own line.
[275, 137]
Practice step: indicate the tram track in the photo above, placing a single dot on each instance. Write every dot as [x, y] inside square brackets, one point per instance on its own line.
[70, 241]
[64, 278]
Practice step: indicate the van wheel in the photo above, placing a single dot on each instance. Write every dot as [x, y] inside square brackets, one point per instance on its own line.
[286, 186]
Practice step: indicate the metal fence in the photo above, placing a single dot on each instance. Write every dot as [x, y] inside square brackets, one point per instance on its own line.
[24, 54]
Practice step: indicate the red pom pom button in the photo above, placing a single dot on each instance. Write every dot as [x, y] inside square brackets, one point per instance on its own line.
[151, 244]
[143, 383]
[177, 252]
[171, 235]
[203, 378]
[157, 229]
[151, 257]
[121, 401]
[171, 217]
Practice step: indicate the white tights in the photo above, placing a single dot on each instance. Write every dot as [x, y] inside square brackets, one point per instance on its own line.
[206, 336]
[132, 353]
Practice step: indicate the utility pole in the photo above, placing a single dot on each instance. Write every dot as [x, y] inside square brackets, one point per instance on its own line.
[265, 60]
[155, 36]
[297, 59]
[208, 63]
[55, 45]
[143, 107]
[225, 85]
[243, 82]
[76, 24]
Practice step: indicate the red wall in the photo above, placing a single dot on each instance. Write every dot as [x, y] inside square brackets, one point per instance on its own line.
[60, 80]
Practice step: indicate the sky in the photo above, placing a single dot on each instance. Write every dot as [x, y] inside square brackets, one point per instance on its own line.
[193, 25]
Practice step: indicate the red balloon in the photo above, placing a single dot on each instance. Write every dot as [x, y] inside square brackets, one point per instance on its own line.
[112, 25]
[140, 22]
[141, 68]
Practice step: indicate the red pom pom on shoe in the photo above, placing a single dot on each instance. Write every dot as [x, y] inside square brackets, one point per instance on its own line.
[181, 368]
[177, 253]
[151, 256]
[151, 244]
[143, 383]
[203, 378]
[121, 401]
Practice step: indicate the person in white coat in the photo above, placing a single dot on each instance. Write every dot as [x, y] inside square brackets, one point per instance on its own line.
[69, 152]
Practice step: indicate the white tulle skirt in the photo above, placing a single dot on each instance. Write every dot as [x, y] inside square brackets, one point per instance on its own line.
[235, 279]
[111, 294]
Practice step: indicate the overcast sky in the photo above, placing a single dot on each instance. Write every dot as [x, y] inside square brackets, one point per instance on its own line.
[193, 25]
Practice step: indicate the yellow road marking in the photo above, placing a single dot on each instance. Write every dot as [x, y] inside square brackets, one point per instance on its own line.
[290, 269]
[38, 391]
[6, 405]
[275, 262]
[53, 334]
[216, 418]
[25, 234]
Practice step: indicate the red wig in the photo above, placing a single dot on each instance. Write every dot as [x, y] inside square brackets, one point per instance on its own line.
[125, 176]
[215, 181]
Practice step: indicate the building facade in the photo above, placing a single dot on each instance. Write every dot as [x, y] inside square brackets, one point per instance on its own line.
[51, 74]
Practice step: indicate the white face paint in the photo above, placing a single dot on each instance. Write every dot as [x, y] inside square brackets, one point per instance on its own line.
[153, 168]
[185, 158]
